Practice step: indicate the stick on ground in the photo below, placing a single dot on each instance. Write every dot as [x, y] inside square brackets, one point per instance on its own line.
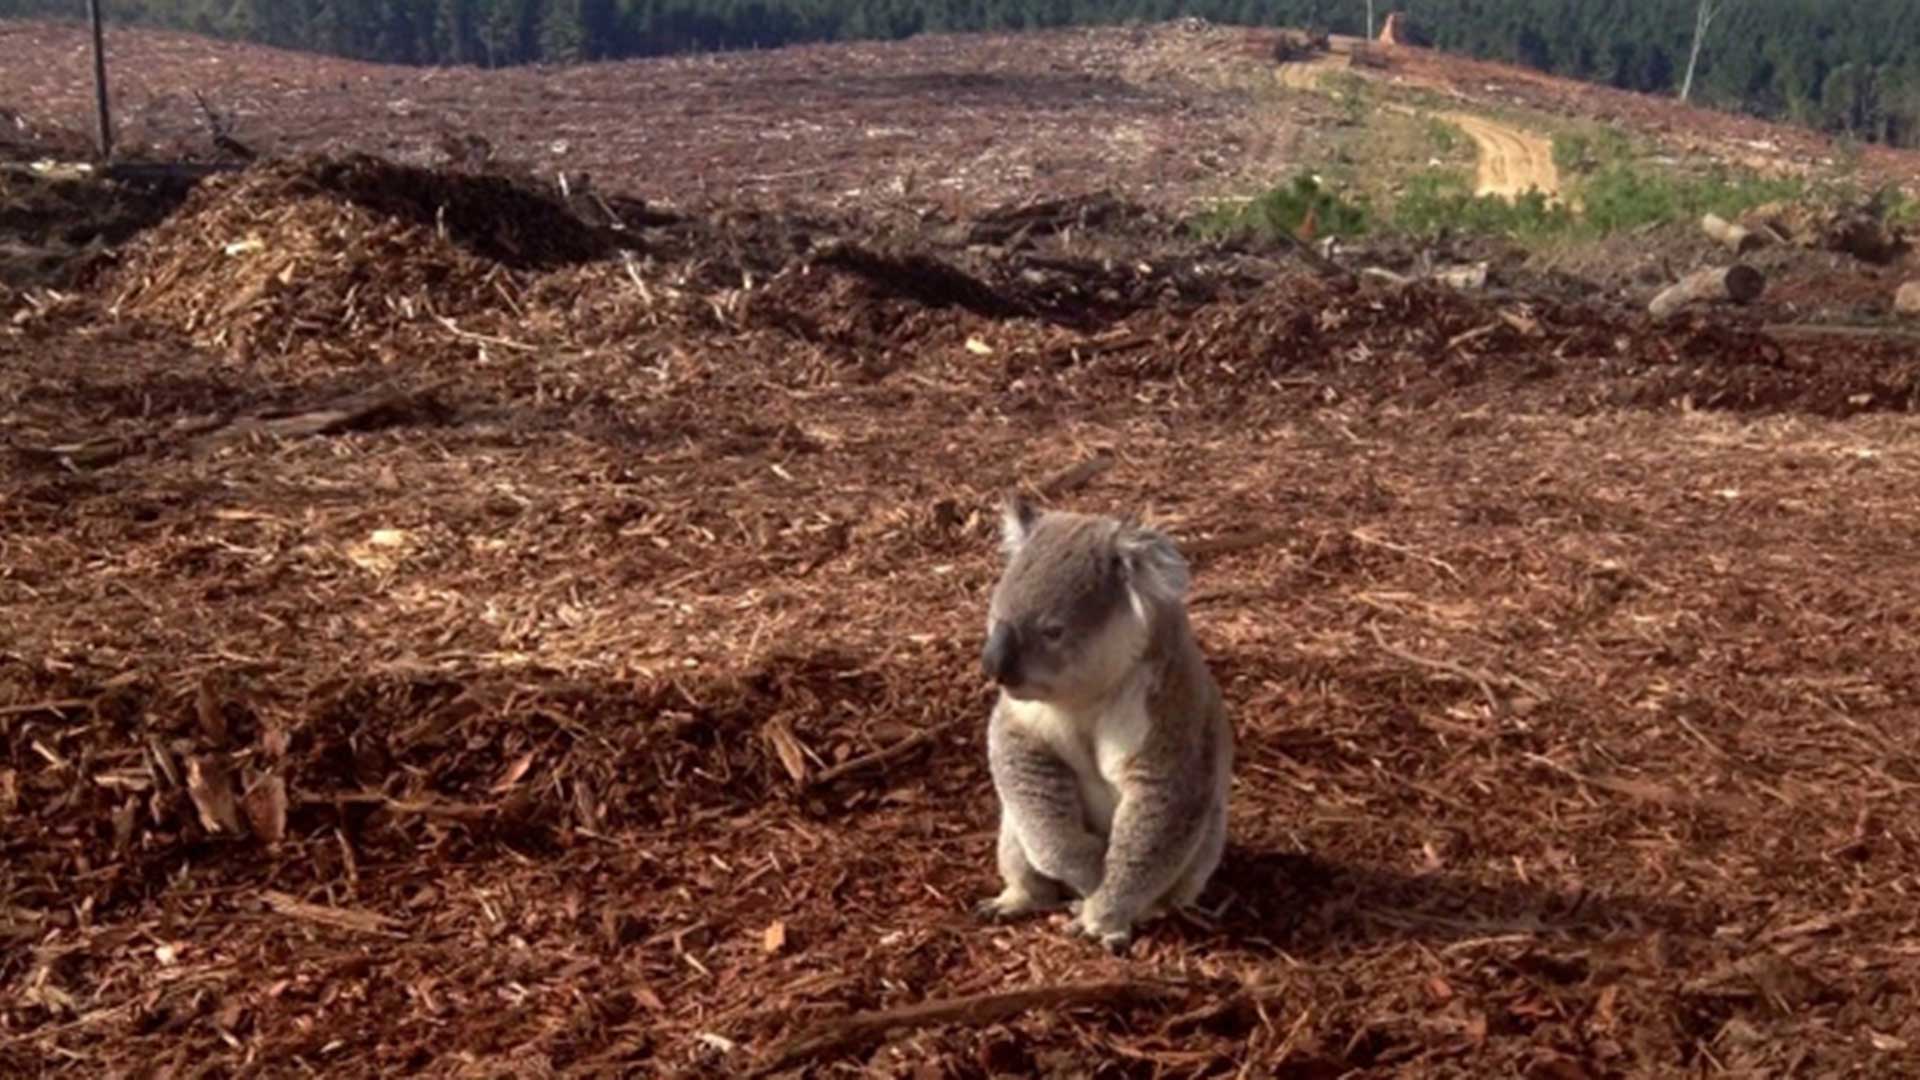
[1075, 476]
[877, 757]
[847, 1033]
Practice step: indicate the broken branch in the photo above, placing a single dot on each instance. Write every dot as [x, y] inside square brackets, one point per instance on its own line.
[1482, 679]
[366, 922]
[1076, 476]
[878, 757]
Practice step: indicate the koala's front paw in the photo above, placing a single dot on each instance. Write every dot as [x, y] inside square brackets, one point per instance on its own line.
[1010, 904]
[1114, 934]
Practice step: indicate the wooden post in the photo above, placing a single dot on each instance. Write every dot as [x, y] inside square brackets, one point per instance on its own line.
[100, 82]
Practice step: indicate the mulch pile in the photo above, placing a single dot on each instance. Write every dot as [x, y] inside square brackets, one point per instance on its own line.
[346, 261]
[595, 690]
[320, 252]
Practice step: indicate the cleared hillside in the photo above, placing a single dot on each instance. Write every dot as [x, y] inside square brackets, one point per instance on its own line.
[457, 626]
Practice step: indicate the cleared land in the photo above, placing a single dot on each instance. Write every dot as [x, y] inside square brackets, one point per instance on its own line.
[436, 643]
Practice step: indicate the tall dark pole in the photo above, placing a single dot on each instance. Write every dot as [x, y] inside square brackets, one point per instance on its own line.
[100, 82]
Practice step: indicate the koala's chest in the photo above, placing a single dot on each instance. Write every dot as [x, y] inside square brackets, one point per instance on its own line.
[1097, 747]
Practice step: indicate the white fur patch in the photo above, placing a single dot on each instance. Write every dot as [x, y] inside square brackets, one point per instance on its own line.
[1106, 662]
[1014, 527]
[1095, 743]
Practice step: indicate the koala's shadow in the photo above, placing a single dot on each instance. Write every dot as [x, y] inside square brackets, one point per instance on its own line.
[1271, 902]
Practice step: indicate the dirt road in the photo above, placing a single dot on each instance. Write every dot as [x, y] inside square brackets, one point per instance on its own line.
[1305, 74]
[1512, 161]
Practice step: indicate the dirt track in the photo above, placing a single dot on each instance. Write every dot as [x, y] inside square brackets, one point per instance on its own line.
[440, 646]
[1512, 161]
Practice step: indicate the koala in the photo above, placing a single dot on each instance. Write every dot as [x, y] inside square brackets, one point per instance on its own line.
[1109, 746]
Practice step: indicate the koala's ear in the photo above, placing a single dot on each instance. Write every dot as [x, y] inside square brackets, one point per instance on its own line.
[1153, 567]
[1017, 518]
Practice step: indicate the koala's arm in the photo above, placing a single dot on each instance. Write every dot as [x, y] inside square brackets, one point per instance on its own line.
[1164, 801]
[1040, 796]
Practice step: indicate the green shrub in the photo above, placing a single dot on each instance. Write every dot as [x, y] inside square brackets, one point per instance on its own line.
[1283, 208]
[1581, 152]
[1904, 211]
[1572, 152]
[1441, 200]
[1621, 196]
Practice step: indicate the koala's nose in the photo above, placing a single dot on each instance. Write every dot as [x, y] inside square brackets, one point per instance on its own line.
[1001, 657]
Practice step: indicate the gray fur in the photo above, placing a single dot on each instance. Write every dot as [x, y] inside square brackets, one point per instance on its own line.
[1110, 748]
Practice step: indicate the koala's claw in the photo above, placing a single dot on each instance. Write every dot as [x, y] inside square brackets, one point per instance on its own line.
[1006, 906]
[1114, 941]
[993, 909]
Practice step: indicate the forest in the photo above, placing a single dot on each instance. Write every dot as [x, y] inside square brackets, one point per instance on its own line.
[1847, 68]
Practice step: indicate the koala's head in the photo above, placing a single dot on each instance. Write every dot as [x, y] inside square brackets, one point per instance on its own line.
[1075, 608]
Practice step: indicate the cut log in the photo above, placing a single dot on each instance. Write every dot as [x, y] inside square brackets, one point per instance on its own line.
[1738, 237]
[1906, 299]
[1738, 283]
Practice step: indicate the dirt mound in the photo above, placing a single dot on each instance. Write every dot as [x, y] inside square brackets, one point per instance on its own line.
[281, 256]
[496, 216]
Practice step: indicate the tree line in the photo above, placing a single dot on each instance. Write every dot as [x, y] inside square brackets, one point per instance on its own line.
[1851, 68]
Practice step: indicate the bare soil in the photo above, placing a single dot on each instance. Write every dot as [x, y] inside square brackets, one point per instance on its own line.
[965, 121]
[439, 643]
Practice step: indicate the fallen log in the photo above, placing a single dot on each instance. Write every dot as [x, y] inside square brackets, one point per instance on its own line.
[1738, 237]
[1739, 283]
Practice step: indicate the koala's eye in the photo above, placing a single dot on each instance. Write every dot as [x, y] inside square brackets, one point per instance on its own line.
[1052, 633]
